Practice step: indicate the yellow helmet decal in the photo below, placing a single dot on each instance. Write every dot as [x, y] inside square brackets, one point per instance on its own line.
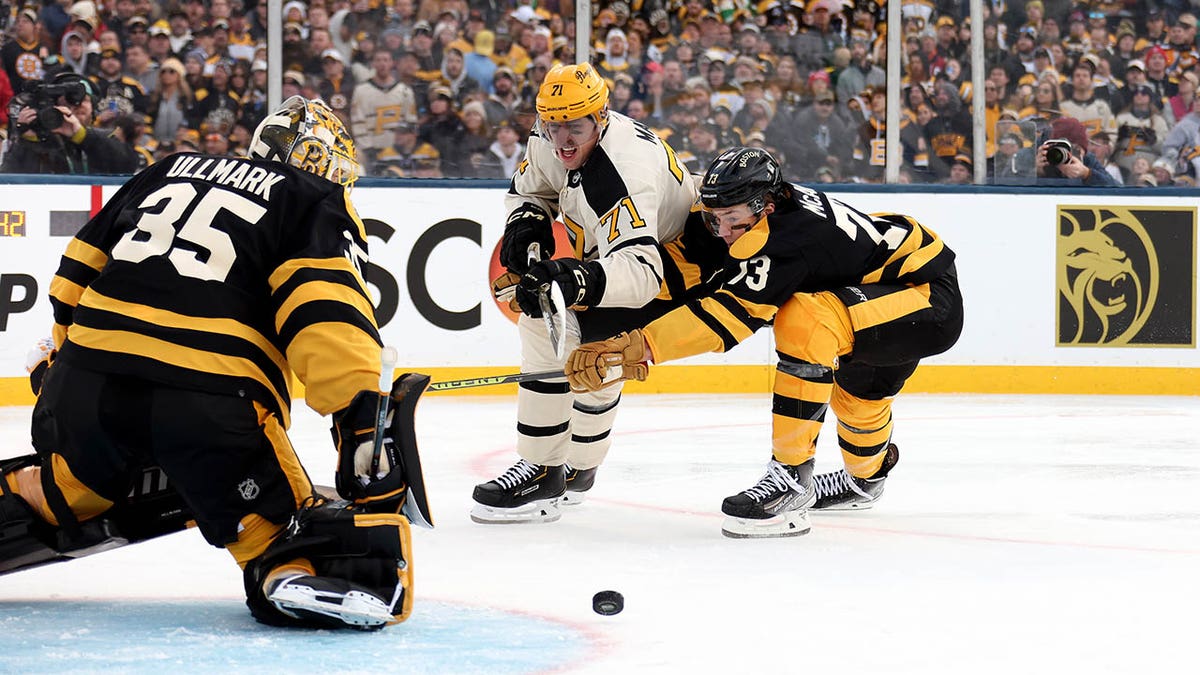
[573, 92]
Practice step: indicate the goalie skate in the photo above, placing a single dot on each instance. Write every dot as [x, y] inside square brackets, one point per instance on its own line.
[579, 481]
[525, 493]
[839, 491]
[323, 600]
[777, 506]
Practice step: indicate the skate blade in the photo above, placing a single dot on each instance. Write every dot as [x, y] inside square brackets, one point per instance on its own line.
[355, 608]
[572, 498]
[543, 511]
[842, 508]
[790, 525]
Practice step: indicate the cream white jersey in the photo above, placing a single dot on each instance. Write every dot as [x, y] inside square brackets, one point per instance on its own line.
[630, 195]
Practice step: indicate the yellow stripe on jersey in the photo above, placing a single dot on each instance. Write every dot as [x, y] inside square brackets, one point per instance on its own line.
[169, 319]
[691, 271]
[134, 344]
[285, 454]
[577, 235]
[285, 271]
[86, 254]
[739, 330]
[67, 292]
[314, 291]
[335, 361]
[679, 334]
[889, 307]
[754, 309]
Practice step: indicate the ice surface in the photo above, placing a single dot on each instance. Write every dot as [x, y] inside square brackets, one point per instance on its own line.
[1018, 534]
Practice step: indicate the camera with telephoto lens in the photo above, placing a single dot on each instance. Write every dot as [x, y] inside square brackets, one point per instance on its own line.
[43, 97]
[1058, 151]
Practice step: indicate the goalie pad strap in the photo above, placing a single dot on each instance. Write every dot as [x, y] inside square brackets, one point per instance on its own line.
[342, 542]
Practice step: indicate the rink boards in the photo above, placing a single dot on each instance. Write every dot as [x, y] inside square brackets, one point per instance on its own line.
[1083, 292]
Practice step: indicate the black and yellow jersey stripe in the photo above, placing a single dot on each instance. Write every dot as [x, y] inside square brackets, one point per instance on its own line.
[811, 243]
[223, 275]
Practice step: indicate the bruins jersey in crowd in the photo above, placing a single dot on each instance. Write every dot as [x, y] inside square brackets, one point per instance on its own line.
[223, 275]
[631, 194]
[811, 243]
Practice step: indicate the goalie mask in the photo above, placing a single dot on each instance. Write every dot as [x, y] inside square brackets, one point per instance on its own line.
[306, 134]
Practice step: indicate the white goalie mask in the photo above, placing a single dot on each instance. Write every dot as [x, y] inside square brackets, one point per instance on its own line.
[306, 134]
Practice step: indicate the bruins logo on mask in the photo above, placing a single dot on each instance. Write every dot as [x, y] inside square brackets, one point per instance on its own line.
[1125, 276]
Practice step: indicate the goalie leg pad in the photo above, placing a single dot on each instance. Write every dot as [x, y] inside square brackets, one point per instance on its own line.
[363, 577]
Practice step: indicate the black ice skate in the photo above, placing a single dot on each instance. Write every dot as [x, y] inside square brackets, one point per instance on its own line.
[579, 481]
[525, 493]
[330, 602]
[839, 491]
[777, 506]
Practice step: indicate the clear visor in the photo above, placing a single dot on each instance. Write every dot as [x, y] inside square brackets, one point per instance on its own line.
[732, 225]
[580, 129]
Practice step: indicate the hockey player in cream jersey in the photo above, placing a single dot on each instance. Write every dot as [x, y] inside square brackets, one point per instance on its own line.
[640, 249]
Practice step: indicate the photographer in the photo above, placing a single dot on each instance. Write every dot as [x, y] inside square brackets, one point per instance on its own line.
[52, 132]
[1063, 159]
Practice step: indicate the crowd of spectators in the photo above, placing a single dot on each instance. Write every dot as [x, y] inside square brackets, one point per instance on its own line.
[445, 88]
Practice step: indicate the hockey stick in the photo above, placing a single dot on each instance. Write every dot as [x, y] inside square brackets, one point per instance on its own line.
[554, 309]
[495, 379]
[388, 357]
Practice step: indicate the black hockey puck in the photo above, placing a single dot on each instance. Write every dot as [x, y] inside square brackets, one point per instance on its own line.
[608, 602]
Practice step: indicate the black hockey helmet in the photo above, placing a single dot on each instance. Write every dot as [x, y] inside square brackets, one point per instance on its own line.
[741, 176]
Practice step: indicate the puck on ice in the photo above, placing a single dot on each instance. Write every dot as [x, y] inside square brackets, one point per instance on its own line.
[608, 602]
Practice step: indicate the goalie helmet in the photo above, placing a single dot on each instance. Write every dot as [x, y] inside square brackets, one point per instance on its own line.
[306, 134]
[573, 92]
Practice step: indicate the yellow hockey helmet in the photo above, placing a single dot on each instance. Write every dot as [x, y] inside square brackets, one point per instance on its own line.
[573, 92]
[308, 135]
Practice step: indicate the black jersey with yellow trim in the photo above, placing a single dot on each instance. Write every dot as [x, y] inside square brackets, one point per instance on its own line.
[223, 275]
[811, 243]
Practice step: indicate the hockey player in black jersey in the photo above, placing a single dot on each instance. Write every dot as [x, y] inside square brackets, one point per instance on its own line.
[856, 300]
[181, 311]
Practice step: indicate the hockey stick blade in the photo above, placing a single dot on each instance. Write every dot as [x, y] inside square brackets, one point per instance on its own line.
[554, 310]
[494, 380]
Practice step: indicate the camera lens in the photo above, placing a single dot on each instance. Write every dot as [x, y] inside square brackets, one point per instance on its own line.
[1056, 155]
[49, 118]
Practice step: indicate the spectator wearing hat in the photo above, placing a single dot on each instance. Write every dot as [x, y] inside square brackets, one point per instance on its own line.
[181, 31]
[1141, 129]
[479, 64]
[376, 105]
[1179, 104]
[444, 129]
[159, 41]
[860, 73]
[22, 55]
[217, 103]
[504, 154]
[1100, 144]
[1020, 61]
[401, 156]
[336, 85]
[408, 71]
[962, 171]
[242, 45]
[817, 136]
[421, 45]
[75, 56]
[170, 101]
[455, 77]
[870, 142]
[132, 29]
[118, 93]
[1156, 73]
[476, 140]
[816, 41]
[949, 133]
[1180, 48]
[818, 83]
[1084, 105]
[948, 44]
[1013, 163]
[1081, 168]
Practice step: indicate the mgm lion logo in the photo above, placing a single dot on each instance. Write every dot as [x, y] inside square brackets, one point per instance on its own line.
[1116, 286]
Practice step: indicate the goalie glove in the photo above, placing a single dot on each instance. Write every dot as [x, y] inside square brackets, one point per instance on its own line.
[37, 361]
[590, 367]
[354, 436]
[527, 224]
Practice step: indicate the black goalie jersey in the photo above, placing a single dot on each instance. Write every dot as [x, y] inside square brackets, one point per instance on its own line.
[811, 243]
[223, 275]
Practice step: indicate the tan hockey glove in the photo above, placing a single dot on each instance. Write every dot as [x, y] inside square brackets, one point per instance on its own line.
[596, 365]
[504, 288]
